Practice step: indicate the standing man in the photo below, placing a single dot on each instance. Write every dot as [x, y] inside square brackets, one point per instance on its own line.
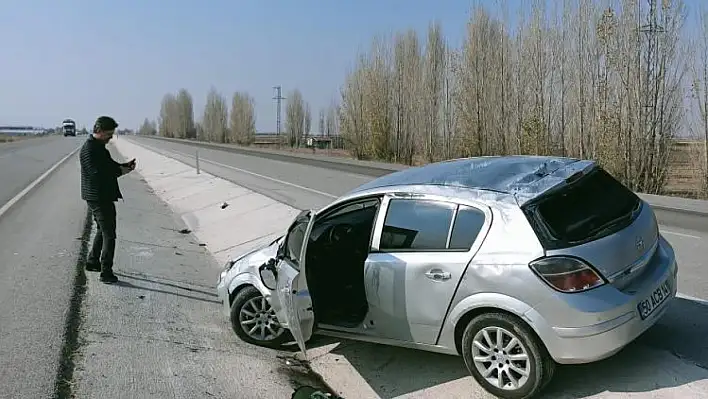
[99, 188]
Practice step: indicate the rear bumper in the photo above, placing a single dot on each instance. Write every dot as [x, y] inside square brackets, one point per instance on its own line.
[594, 342]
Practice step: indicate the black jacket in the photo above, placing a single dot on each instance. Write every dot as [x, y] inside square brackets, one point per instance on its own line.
[99, 173]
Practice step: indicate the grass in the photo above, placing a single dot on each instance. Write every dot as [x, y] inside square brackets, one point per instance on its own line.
[4, 138]
[685, 173]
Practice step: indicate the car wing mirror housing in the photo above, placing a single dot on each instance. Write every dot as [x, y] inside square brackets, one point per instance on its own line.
[269, 274]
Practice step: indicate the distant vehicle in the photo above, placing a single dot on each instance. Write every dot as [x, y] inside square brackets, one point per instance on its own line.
[514, 263]
[69, 127]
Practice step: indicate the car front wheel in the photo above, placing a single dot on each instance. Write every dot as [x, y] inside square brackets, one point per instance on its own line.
[253, 319]
[505, 357]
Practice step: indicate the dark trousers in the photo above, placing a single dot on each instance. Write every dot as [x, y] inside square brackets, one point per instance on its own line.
[104, 244]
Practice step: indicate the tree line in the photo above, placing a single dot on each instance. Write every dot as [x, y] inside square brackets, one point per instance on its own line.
[616, 82]
[237, 123]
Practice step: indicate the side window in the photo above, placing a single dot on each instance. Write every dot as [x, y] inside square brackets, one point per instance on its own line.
[349, 209]
[468, 223]
[293, 242]
[416, 225]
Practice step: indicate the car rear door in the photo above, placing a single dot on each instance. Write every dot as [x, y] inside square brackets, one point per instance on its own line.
[421, 248]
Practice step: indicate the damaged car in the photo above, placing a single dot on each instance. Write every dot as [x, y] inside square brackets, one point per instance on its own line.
[514, 263]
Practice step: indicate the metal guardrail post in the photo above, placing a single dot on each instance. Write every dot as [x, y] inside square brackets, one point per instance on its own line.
[197, 157]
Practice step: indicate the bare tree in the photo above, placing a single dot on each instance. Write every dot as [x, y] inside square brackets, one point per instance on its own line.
[700, 97]
[185, 115]
[215, 117]
[351, 113]
[407, 77]
[377, 101]
[147, 128]
[321, 122]
[332, 120]
[434, 75]
[169, 114]
[307, 124]
[295, 118]
[243, 119]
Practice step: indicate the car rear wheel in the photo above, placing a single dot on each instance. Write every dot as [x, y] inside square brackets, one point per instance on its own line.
[505, 357]
[253, 319]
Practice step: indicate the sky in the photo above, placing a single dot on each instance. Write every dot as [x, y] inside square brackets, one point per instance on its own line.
[84, 58]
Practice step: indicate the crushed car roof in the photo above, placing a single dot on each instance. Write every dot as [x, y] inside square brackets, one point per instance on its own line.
[525, 177]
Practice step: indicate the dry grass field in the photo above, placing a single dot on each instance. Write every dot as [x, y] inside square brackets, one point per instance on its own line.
[4, 138]
[7, 139]
[686, 169]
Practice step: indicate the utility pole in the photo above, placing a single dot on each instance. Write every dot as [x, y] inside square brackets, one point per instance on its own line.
[278, 98]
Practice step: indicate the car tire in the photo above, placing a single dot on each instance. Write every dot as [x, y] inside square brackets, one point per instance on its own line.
[539, 365]
[243, 298]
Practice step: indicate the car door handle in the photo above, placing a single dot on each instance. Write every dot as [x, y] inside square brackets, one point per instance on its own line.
[438, 275]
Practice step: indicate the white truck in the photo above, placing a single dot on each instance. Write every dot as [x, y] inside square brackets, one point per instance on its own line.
[69, 127]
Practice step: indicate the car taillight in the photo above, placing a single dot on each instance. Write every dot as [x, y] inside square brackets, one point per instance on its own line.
[567, 274]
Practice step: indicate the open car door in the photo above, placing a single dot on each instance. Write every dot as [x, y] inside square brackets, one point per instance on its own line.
[291, 288]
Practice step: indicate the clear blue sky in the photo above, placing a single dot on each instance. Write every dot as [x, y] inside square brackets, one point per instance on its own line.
[83, 58]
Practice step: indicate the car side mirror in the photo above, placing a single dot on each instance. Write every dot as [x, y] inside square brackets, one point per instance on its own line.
[268, 274]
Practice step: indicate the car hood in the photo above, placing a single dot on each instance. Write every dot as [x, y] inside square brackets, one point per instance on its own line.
[257, 257]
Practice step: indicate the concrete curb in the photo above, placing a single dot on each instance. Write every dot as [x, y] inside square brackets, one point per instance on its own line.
[377, 169]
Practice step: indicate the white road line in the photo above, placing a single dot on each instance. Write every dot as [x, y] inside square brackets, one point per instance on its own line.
[32, 185]
[679, 234]
[692, 298]
[312, 190]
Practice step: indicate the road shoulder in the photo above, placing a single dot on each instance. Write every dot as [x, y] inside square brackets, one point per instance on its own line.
[159, 332]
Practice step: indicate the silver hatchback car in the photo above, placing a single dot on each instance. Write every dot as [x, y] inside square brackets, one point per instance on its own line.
[515, 263]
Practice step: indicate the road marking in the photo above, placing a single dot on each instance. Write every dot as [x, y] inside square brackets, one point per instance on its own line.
[312, 190]
[680, 234]
[692, 298]
[32, 185]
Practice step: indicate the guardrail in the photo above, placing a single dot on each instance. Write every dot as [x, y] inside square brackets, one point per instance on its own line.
[377, 169]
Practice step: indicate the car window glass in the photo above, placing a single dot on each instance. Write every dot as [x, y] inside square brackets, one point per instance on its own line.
[416, 225]
[353, 207]
[468, 223]
[293, 243]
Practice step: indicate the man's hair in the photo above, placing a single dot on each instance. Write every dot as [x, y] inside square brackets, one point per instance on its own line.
[104, 123]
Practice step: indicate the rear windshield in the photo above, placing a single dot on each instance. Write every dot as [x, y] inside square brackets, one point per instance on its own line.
[594, 206]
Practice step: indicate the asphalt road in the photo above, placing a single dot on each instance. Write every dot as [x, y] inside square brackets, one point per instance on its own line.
[38, 253]
[21, 162]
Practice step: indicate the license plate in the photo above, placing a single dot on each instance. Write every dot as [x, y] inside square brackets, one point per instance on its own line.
[647, 306]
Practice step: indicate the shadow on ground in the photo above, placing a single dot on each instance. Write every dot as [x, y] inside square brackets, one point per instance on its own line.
[180, 291]
[665, 356]
[673, 353]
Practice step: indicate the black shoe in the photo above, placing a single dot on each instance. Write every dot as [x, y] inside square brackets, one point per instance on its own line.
[93, 267]
[108, 278]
